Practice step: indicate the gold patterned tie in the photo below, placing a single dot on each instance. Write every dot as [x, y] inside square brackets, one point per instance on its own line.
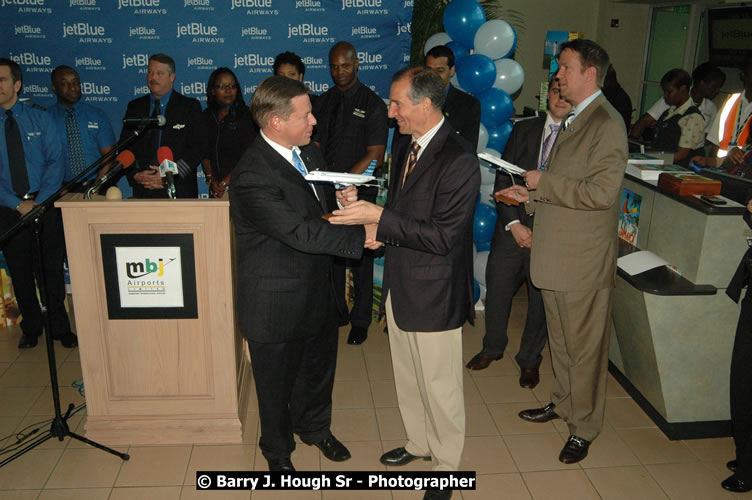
[412, 160]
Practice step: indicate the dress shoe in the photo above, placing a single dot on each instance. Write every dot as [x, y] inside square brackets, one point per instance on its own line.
[731, 465]
[736, 485]
[574, 450]
[357, 336]
[437, 495]
[280, 465]
[481, 361]
[540, 415]
[27, 341]
[529, 377]
[68, 340]
[333, 449]
[399, 456]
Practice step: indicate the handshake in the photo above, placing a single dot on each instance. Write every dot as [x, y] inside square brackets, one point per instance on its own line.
[356, 212]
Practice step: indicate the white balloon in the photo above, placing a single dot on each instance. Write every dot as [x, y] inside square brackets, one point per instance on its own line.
[495, 38]
[482, 138]
[440, 38]
[509, 75]
[479, 268]
[456, 82]
[487, 190]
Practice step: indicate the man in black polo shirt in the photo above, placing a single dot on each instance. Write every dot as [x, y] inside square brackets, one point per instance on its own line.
[352, 132]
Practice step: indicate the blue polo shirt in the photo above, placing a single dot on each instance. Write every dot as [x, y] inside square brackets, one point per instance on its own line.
[42, 151]
[96, 132]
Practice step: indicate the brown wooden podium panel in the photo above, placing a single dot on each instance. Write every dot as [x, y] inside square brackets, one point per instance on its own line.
[153, 380]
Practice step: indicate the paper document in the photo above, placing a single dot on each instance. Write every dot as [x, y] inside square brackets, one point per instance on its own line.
[639, 262]
[500, 164]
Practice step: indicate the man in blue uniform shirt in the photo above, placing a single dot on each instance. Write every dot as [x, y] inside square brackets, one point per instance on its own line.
[31, 170]
[85, 132]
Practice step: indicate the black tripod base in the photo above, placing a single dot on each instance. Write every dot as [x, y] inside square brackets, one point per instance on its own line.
[59, 429]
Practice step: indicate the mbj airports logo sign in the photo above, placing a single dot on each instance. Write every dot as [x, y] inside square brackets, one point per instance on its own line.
[149, 276]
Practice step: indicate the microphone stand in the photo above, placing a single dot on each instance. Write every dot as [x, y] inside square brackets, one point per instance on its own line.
[59, 427]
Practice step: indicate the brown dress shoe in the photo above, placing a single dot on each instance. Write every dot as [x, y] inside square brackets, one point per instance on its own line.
[481, 361]
[574, 450]
[539, 415]
[529, 377]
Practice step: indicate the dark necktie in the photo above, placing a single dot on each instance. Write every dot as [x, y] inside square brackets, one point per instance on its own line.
[334, 130]
[548, 145]
[153, 136]
[412, 160]
[19, 178]
[75, 148]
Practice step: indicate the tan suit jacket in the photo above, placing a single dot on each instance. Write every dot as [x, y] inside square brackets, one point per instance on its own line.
[575, 228]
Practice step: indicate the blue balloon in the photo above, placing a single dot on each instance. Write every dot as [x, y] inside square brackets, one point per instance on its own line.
[462, 18]
[483, 223]
[483, 246]
[498, 137]
[495, 107]
[476, 73]
[476, 291]
[460, 52]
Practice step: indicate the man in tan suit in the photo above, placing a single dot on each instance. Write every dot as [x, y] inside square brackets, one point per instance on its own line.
[574, 245]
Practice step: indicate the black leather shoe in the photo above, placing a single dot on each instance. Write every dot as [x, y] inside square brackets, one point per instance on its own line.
[333, 449]
[27, 342]
[529, 377]
[68, 340]
[399, 456]
[574, 450]
[357, 336]
[540, 415]
[437, 495]
[731, 465]
[481, 361]
[736, 485]
[280, 465]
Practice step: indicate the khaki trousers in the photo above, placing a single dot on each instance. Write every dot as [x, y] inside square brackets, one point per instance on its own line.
[428, 378]
[579, 325]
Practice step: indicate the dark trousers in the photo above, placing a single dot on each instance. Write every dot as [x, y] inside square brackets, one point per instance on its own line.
[507, 268]
[362, 273]
[21, 255]
[741, 391]
[294, 383]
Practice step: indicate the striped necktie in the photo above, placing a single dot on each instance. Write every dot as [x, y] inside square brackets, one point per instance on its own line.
[412, 160]
[548, 145]
[75, 147]
[568, 120]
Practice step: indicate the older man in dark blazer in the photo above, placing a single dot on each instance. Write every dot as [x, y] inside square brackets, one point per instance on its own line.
[426, 226]
[288, 307]
[183, 133]
[509, 261]
[574, 247]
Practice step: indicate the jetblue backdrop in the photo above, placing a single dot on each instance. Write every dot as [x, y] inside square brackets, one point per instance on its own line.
[109, 42]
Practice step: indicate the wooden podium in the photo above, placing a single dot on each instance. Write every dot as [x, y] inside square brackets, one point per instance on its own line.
[156, 372]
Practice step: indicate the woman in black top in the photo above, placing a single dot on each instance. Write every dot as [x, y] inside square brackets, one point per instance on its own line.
[230, 127]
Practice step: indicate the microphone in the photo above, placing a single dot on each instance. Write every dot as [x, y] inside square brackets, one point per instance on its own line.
[168, 169]
[147, 121]
[124, 160]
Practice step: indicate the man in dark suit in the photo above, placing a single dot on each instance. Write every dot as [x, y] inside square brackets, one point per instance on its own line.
[509, 261]
[460, 108]
[427, 226]
[573, 256]
[183, 133]
[288, 308]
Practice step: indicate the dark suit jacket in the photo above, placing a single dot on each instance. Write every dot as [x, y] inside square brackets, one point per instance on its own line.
[427, 227]
[463, 112]
[523, 150]
[283, 247]
[183, 133]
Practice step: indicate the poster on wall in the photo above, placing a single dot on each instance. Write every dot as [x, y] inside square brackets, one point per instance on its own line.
[629, 217]
[149, 276]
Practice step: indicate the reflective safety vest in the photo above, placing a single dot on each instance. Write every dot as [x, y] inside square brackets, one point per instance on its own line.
[727, 130]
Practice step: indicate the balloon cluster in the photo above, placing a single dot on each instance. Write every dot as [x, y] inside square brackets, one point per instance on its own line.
[483, 68]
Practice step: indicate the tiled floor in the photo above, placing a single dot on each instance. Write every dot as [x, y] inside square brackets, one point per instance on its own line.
[513, 459]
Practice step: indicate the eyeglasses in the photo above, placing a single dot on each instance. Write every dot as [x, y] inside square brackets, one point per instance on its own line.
[226, 87]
